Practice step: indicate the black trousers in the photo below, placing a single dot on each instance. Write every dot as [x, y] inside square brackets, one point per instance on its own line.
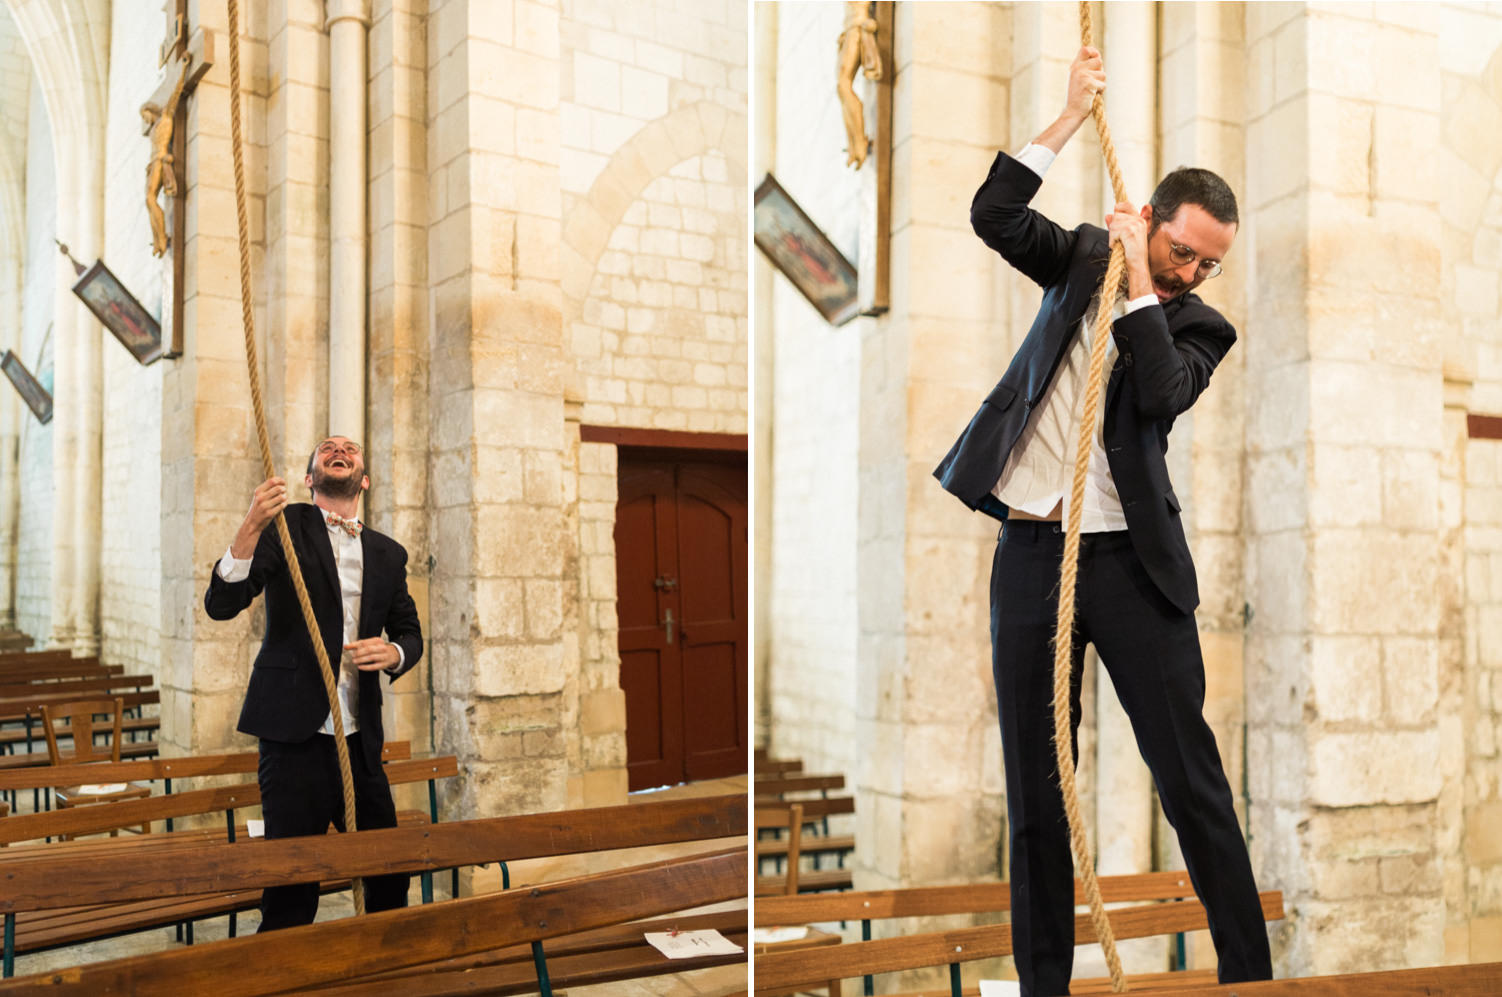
[301, 795]
[1152, 653]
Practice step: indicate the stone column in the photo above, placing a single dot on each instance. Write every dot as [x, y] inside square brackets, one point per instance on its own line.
[397, 434]
[495, 384]
[1200, 118]
[929, 787]
[763, 156]
[209, 459]
[1344, 436]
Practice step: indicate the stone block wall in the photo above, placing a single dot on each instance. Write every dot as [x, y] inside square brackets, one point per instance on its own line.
[34, 526]
[130, 521]
[1471, 651]
[814, 666]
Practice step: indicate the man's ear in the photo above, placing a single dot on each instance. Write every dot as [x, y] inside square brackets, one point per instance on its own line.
[307, 479]
[1147, 213]
[364, 482]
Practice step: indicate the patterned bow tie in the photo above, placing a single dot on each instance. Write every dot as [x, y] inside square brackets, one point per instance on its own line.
[338, 522]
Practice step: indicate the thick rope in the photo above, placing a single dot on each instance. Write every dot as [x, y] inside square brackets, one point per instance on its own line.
[294, 569]
[1069, 569]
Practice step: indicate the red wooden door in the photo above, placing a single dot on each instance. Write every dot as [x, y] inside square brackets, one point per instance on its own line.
[681, 583]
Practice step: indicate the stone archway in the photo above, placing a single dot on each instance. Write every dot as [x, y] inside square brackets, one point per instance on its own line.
[690, 131]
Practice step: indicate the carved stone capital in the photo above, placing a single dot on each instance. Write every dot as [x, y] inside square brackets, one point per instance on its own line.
[346, 10]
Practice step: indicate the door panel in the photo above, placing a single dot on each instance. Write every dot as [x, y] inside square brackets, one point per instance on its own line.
[682, 606]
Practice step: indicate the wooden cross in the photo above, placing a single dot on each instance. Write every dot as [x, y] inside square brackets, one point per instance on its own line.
[187, 58]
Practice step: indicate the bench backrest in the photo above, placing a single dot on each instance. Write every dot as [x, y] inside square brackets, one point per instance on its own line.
[100, 817]
[182, 767]
[972, 898]
[300, 958]
[13, 708]
[77, 669]
[790, 819]
[790, 970]
[795, 783]
[63, 879]
[77, 686]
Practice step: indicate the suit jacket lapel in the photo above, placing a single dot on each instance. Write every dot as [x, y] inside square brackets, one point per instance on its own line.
[316, 537]
[369, 554]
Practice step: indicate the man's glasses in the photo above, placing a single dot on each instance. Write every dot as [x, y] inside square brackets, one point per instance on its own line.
[328, 446]
[1181, 255]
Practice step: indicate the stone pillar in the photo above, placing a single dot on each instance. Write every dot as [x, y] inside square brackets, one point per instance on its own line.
[763, 156]
[1343, 532]
[929, 785]
[497, 425]
[209, 459]
[1200, 118]
[397, 433]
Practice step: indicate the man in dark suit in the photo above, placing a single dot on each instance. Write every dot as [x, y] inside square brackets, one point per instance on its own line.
[1136, 585]
[357, 583]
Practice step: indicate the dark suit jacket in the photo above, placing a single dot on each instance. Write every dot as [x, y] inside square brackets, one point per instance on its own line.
[1166, 357]
[286, 700]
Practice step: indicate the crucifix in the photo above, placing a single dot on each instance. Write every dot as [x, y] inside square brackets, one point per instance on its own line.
[164, 120]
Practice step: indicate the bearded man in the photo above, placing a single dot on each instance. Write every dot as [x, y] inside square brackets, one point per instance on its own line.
[357, 583]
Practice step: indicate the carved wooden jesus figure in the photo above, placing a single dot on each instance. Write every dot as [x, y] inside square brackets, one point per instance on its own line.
[160, 174]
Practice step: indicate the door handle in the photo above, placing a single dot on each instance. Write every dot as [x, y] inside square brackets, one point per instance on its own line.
[667, 624]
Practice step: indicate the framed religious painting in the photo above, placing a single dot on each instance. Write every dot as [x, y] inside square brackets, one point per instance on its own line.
[804, 254]
[120, 312]
[38, 398]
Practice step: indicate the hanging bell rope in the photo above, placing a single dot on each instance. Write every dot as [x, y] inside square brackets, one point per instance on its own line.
[1110, 289]
[294, 569]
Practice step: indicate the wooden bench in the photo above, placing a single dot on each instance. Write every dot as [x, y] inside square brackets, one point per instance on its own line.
[162, 770]
[1168, 906]
[792, 785]
[494, 939]
[816, 879]
[85, 918]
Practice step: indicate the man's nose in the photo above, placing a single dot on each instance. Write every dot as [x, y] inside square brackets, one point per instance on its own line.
[1188, 272]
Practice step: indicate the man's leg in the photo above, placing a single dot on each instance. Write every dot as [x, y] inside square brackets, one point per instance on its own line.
[1024, 601]
[1152, 653]
[295, 795]
[374, 809]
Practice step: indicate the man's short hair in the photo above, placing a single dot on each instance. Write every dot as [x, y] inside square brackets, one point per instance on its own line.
[1192, 185]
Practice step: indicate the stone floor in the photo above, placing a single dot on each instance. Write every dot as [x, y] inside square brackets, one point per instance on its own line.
[701, 983]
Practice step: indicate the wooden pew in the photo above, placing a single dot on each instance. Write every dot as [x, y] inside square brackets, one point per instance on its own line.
[197, 868]
[300, 959]
[785, 787]
[85, 916]
[816, 879]
[1169, 907]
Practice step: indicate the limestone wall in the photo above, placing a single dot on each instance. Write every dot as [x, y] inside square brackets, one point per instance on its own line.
[130, 528]
[1471, 506]
[814, 437]
[1344, 526]
[34, 530]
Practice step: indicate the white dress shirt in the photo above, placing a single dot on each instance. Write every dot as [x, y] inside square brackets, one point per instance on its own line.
[349, 561]
[1040, 469]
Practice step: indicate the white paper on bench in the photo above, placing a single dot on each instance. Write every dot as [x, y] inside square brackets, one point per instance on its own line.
[110, 787]
[1000, 988]
[691, 944]
[255, 828]
[771, 936]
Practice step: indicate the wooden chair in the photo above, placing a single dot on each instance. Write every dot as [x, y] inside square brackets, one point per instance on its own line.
[82, 729]
[791, 818]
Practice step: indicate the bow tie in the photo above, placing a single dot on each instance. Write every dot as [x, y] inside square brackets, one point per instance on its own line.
[351, 526]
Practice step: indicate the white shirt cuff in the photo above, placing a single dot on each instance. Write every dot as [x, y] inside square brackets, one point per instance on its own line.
[401, 657]
[1035, 157]
[1142, 302]
[232, 568]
